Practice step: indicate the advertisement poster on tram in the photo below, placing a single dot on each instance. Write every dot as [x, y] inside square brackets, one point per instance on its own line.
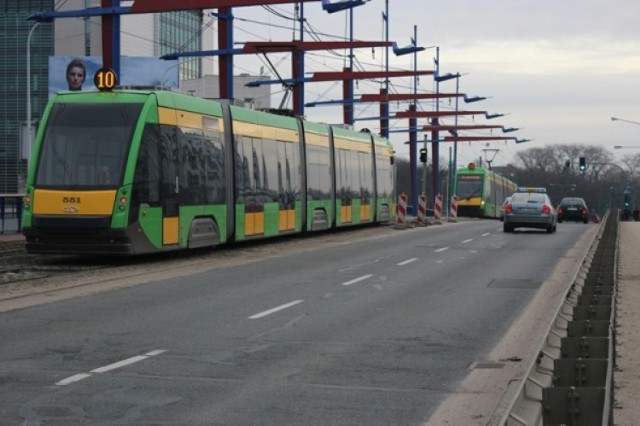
[76, 73]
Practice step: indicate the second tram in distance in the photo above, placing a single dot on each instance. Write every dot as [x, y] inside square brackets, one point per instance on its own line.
[481, 191]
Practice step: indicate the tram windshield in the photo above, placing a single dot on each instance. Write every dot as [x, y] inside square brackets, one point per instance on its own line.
[469, 186]
[86, 145]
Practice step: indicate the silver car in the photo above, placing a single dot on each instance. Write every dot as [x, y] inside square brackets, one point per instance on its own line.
[530, 208]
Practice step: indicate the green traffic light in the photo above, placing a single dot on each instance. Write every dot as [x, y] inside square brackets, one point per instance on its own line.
[583, 164]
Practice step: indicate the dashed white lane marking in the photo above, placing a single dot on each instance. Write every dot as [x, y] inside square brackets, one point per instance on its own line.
[442, 249]
[406, 262]
[81, 376]
[486, 234]
[357, 280]
[274, 310]
[73, 379]
[120, 364]
[467, 241]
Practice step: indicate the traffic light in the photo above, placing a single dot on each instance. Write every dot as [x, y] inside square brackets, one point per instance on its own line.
[423, 155]
[627, 201]
[583, 164]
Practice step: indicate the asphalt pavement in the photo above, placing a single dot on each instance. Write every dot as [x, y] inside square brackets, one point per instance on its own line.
[627, 363]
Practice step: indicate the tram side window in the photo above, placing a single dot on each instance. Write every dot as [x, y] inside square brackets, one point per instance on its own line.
[242, 169]
[214, 172]
[293, 165]
[191, 170]
[289, 183]
[488, 189]
[270, 170]
[146, 181]
[385, 176]
[354, 171]
[318, 173]
[501, 190]
[169, 188]
[256, 175]
[342, 179]
[366, 182]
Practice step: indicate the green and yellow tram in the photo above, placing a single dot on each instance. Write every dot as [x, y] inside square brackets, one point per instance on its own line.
[481, 191]
[142, 171]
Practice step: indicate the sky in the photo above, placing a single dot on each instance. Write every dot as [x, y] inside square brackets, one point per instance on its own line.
[558, 69]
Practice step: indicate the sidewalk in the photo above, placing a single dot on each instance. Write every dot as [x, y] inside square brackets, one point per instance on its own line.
[626, 374]
[11, 236]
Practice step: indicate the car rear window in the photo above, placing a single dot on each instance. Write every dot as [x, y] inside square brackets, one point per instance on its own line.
[528, 198]
[573, 202]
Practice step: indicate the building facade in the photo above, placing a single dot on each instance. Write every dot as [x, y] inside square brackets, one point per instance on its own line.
[15, 32]
[151, 34]
[146, 35]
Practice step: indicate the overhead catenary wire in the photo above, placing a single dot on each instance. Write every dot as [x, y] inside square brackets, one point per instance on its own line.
[362, 60]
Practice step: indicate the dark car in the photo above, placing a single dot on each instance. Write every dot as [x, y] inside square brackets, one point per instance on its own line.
[573, 209]
[530, 208]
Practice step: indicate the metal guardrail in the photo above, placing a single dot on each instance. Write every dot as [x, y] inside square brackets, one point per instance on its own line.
[11, 212]
[570, 381]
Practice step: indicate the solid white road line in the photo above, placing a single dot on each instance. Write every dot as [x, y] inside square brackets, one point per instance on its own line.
[119, 364]
[276, 309]
[356, 280]
[406, 262]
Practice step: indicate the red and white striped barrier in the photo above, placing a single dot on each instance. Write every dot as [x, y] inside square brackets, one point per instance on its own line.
[437, 210]
[422, 210]
[453, 211]
[401, 214]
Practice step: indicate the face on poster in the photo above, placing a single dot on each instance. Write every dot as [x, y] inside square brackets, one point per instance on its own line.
[76, 73]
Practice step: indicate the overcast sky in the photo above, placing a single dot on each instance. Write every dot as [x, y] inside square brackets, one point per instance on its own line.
[559, 69]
